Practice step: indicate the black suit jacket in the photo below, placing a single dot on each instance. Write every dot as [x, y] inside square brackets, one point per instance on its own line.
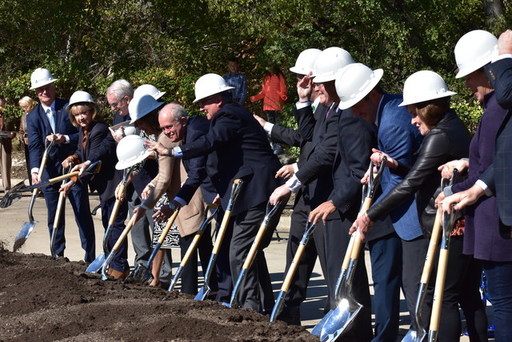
[100, 146]
[196, 127]
[38, 127]
[497, 177]
[240, 149]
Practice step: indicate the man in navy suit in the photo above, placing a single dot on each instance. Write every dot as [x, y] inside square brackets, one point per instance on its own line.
[240, 150]
[50, 121]
[357, 86]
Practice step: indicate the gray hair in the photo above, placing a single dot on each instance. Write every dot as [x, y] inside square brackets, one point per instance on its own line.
[120, 89]
[176, 110]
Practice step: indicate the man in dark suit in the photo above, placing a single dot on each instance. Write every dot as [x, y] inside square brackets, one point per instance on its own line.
[240, 150]
[357, 86]
[50, 121]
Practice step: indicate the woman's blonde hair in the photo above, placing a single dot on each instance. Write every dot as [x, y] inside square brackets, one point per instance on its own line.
[96, 116]
[28, 102]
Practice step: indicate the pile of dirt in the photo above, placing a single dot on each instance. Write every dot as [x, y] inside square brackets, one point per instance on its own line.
[43, 299]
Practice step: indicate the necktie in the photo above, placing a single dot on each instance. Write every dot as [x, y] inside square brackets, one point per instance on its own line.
[49, 114]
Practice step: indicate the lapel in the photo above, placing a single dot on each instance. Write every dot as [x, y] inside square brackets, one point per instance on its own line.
[45, 120]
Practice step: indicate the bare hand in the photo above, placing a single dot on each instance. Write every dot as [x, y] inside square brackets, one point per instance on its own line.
[156, 146]
[447, 169]
[139, 212]
[216, 200]
[81, 167]
[462, 199]
[120, 193]
[118, 134]
[260, 120]
[35, 178]
[439, 199]
[147, 191]
[279, 193]
[321, 212]
[304, 88]
[505, 42]
[361, 224]
[163, 213]
[377, 157]
[57, 138]
[66, 188]
[286, 171]
[66, 163]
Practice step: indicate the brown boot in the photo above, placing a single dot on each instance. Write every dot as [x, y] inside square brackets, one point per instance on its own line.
[118, 274]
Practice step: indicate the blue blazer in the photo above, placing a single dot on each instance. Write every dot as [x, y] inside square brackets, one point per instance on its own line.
[497, 176]
[400, 139]
[38, 127]
[239, 149]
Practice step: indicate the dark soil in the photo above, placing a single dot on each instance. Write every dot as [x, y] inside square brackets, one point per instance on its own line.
[43, 299]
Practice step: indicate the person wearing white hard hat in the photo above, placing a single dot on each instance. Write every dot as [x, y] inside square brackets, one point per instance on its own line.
[302, 205]
[49, 121]
[359, 90]
[148, 89]
[97, 145]
[241, 149]
[484, 236]
[177, 128]
[427, 98]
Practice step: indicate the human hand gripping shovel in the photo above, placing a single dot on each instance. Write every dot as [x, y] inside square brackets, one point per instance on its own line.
[417, 332]
[142, 273]
[27, 227]
[448, 221]
[193, 246]
[348, 308]
[96, 264]
[205, 290]
[271, 209]
[310, 227]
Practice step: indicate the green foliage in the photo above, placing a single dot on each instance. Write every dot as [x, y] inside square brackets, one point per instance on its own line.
[89, 43]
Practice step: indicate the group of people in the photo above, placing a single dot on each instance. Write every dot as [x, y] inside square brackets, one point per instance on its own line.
[346, 122]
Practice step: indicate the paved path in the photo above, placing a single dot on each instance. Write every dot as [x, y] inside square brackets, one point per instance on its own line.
[12, 219]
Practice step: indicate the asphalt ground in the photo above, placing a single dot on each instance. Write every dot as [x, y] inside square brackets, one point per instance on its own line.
[13, 218]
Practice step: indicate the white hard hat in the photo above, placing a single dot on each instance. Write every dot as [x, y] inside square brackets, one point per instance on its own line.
[79, 96]
[474, 50]
[329, 62]
[148, 89]
[141, 106]
[354, 82]
[424, 85]
[41, 77]
[130, 151]
[304, 63]
[208, 85]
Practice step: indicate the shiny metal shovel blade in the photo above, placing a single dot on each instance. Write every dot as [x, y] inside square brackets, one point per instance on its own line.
[23, 234]
[95, 265]
[340, 320]
[414, 336]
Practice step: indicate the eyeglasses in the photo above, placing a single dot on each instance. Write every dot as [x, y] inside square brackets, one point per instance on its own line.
[117, 104]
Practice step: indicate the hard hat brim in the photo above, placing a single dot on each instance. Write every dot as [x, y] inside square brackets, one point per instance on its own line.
[122, 164]
[42, 84]
[378, 73]
[427, 98]
[204, 96]
[469, 69]
[149, 110]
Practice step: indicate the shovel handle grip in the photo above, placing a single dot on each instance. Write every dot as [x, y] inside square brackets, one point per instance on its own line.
[58, 213]
[192, 248]
[59, 178]
[432, 245]
[168, 226]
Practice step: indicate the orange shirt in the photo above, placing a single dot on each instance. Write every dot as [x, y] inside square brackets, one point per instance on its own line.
[273, 92]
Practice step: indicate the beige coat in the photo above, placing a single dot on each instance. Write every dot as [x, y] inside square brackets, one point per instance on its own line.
[171, 175]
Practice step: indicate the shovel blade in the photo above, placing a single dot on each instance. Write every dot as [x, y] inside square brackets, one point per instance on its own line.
[415, 336]
[340, 319]
[23, 234]
[317, 329]
[177, 276]
[203, 293]
[95, 265]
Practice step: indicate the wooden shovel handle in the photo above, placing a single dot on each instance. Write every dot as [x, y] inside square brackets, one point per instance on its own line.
[293, 268]
[116, 207]
[125, 232]
[356, 248]
[222, 231]
[255, 245]
[168, 226]
[192, 248]
[58, 212]
[439, 290]
[432, 245]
